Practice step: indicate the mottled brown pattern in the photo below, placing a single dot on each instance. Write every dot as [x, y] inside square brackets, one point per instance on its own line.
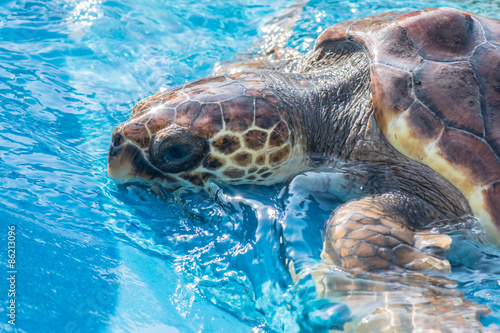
[469, 152]
[404, 254]
[279, 135]
[423, 122]
[205, 81]
[233, 173]
[486, 64]
[448, 90]
[378, 262]
[227, 144]
[457, 82]
[391, 241]
[260, 159]
[266, 115]
[198, 92]
[284, 114]
[271, 98]
[137, 133]
[186, 112]
[491, 29]
[262, 170]
[424, 54]
[171, 97]
[242, 159]
[367, 234]
[144, 106]
[255, 139]
[253, 93]
[403, 235]
[160, 120]
[375, 226]
[214, 90]
[212, 163]
[255, 82]
[396, 49]
[239, 76]
[206, 176]
[238, 113]
[378, 240]
[370, 30]
[374, 24]
[353, 223]
[209, 121]
[364, 250]
[451, 92]
[279, 156]
[442, 34]
[360, 234]
[192, 178]
[391, 93]
[332, 34]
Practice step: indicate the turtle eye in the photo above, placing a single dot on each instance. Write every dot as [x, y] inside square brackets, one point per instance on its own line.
[176, 149]
[179, 153]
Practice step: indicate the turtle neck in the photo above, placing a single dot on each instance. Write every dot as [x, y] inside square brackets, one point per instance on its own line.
[329, 99]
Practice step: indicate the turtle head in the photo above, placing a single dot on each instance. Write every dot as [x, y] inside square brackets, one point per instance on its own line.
[231, 128]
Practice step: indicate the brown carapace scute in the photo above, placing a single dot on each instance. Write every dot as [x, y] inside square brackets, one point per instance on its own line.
[435, 84]
[227, 127]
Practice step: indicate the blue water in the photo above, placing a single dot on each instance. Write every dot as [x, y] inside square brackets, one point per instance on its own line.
[96, 257]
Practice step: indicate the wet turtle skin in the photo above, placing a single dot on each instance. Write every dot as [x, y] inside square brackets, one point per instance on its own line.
[239, 128]
[407, 101]
[412, 96]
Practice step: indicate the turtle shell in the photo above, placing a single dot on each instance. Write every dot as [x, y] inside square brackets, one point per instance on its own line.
[436, 94]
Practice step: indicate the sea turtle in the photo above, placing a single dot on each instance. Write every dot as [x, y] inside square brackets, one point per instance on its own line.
[406, 104]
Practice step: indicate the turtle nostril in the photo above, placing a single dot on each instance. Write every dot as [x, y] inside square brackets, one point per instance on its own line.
[117, 138]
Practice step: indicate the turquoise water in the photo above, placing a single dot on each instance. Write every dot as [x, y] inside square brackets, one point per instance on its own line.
[96, 257]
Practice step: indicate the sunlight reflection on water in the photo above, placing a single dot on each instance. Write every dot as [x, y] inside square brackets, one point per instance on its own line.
[95, 256]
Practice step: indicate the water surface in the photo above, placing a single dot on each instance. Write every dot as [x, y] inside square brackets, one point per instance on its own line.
[96, 257]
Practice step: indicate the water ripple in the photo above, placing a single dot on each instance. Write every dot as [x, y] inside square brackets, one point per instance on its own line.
[96, 256]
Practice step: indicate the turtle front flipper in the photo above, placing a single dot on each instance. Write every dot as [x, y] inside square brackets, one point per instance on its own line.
[377, 233]
[377, 238]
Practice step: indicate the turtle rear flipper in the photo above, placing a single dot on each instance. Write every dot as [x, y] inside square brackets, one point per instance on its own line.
[374, 233]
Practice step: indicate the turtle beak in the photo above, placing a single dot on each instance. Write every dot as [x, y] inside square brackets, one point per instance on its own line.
[120, 157]
[126, 161]
[120, 167]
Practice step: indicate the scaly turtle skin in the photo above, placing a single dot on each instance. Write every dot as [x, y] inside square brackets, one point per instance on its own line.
[410, 99]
